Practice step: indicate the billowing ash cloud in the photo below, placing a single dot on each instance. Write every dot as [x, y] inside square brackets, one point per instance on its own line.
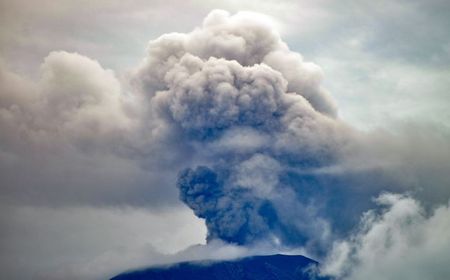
[253, 114]
[244, 38]
[234, 215]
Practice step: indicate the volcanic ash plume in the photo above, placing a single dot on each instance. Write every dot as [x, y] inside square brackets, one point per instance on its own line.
[252, 112]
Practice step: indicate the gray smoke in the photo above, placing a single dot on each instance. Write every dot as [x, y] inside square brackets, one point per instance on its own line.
[252, 114]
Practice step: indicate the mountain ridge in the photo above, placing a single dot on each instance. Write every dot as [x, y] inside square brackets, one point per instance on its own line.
[269, 267]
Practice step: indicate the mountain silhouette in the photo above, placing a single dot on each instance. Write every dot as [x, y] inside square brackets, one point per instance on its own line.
[273, 267]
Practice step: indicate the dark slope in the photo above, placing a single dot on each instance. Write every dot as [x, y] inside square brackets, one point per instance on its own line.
[279, 267]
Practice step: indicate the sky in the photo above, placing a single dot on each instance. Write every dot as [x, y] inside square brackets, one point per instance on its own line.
[133, 131]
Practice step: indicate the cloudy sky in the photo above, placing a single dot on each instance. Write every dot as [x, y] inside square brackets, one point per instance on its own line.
[132, 130]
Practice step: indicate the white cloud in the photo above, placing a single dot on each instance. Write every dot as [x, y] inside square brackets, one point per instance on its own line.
[401, 242]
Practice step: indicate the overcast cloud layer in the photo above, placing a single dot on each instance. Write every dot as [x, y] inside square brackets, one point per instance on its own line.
[230, 120]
